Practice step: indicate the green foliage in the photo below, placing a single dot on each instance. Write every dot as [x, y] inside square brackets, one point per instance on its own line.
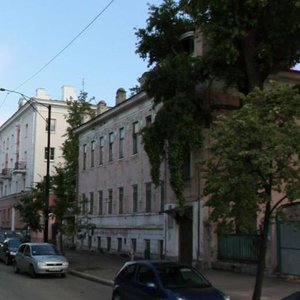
[248, 39]
[244, 42]
[255, 153]
[64, 181]
[31, 206]
[78, 110]
[161, 37]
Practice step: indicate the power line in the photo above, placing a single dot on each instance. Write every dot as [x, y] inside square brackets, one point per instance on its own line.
[60, 52]
[67, 46]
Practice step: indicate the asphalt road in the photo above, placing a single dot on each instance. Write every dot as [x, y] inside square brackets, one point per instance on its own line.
[22, 287]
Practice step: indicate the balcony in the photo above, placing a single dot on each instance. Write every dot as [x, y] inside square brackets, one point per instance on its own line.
[20, 167]
[6, 173]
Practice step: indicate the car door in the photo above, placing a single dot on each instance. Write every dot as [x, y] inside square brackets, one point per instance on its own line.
[19, 258]
[5, 250]
[146, 286]
[26, 259]
[2, 251]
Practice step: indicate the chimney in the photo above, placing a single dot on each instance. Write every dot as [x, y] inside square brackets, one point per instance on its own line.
[101, 107]
[21, 102]
[40, 93]
[120, 95]
[68, 93]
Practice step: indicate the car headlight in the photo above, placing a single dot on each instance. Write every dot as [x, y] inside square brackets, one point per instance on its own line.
[65, 264]
[226, 297]
[12, 253]
[41, 264]
[180, 298]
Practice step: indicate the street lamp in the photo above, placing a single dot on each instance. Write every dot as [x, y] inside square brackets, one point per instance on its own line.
[30, 100]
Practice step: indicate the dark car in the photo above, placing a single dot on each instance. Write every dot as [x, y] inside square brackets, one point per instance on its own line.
[8, 234]
[149, 280]
[8, 249]
[294, 296]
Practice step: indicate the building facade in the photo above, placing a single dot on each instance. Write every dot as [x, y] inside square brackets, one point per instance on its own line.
[122, 210]
[23, 149]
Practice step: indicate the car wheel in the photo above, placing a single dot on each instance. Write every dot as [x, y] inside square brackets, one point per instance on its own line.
[16, 268]
[116, 297]
[32, 272]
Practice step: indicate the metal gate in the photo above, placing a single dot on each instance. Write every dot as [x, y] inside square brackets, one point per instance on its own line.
[288, 224]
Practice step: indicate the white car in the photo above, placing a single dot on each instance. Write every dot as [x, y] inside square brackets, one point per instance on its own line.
[40, 258]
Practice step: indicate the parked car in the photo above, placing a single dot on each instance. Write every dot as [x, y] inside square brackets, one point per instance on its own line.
[8, 249]
[9, 234]
[294, 296]
[40, 258]
[149, 280]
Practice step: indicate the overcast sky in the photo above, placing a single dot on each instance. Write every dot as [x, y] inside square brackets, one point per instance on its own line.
[33, 32]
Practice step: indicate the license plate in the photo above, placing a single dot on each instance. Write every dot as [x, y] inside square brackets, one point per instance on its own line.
[54, 270]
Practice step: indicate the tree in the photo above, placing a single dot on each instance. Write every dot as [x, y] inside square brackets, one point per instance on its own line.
[246, 41]
[64, 181]
[255, 155]
[31, 206]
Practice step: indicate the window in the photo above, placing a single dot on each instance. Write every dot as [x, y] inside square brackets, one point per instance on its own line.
[93, 145]
[101, 148]
[121, 199]
[121, 142]
[52, 151]
[83, 203]
[108, 241]
[110, 199]
[161, 249]
[148, 197]
[91, 202]
[119, 244]
[135, 198]
[99, 243]
[135, 131]
[100, 208]
[133, 245]
[148, 121]
[52, 125]
[162, 195]
[26, 130]
[186, 170]
[110, 149]
[84, 156]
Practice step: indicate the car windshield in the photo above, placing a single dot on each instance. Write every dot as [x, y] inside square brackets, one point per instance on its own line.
[181, 277]
[43, 250]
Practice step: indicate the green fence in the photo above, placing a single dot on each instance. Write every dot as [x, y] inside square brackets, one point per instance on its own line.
[238, 247]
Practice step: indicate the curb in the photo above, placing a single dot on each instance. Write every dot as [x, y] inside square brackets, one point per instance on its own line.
[91, 277]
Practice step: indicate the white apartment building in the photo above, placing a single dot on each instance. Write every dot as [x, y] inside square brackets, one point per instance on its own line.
[23, 148]
[122, 209]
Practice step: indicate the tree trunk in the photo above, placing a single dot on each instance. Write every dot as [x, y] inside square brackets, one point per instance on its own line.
[262, 254]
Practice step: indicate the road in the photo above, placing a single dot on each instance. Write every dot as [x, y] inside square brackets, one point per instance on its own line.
[22, 287]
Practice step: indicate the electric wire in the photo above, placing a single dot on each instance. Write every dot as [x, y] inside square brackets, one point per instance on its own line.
[68, 45]
[60, 52]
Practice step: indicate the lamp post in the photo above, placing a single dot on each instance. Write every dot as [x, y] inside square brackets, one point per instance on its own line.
[47, 177]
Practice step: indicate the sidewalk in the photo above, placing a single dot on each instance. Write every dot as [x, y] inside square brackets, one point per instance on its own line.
[102, 268]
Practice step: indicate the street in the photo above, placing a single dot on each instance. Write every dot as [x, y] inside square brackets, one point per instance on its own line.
[22, 287]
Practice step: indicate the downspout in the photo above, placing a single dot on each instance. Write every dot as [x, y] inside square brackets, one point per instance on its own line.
[278, 225]
[199, 219]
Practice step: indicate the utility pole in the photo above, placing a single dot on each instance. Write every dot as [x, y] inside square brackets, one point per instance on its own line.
[47, 179]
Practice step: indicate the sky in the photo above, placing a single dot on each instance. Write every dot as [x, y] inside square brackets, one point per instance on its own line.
[88, 44]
